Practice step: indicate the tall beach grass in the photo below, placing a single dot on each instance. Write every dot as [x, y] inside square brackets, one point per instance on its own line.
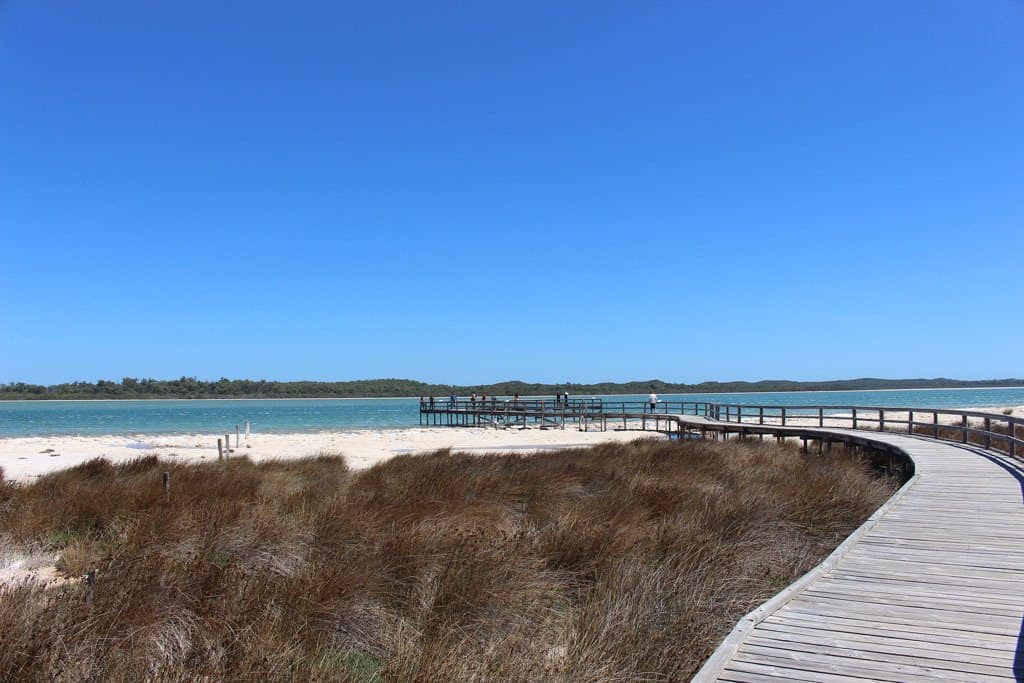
[621, 562]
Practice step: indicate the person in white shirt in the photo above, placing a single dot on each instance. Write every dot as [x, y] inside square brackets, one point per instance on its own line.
[653, 401]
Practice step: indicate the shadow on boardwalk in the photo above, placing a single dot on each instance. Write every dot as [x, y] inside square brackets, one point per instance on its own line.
[1017, 471]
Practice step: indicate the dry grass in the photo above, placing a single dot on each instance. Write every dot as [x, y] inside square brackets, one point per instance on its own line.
[615, 563]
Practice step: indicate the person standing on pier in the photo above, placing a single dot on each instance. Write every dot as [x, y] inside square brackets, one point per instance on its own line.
[652, 400]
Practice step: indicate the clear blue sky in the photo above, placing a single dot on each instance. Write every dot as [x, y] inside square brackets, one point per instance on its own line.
[533, 190]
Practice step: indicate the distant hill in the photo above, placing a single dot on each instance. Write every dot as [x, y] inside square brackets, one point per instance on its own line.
[190, 387]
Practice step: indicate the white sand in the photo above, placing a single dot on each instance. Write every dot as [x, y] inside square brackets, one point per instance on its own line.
[26, 458]
[17, 568]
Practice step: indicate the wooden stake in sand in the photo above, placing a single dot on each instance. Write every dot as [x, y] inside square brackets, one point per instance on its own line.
[90, 582]
[227, 444]
[237, 432]
[247, 444]
[167, 484]
[220, 449]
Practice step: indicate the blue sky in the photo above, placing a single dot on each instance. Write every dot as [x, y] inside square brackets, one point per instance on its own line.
[483, 191]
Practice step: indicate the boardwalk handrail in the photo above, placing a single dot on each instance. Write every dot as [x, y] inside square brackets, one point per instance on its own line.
[1001, 433]
[573, 406]
[996, 432]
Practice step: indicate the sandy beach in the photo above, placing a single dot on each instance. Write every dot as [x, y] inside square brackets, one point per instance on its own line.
[24, 459]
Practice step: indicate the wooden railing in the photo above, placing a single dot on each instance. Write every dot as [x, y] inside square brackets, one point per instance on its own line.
[574, 406]
[989, 430]
[1002, 433]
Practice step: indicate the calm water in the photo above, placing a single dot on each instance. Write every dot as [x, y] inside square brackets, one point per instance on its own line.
[34, 418]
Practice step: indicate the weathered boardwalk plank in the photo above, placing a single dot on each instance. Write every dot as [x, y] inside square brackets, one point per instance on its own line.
[931, 588]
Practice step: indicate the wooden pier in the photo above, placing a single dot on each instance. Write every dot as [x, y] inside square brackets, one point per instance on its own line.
[930, 588]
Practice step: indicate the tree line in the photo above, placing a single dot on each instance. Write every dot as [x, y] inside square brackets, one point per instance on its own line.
[190, 387]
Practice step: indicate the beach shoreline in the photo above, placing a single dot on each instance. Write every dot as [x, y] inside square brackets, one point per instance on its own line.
[25, 458]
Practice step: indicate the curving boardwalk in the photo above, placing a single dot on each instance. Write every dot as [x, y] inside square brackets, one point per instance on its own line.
[930, 588]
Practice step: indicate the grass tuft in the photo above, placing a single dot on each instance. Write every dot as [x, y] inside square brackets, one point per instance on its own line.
[618, 562]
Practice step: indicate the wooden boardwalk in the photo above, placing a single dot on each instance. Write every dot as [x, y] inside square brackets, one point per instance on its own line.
[930, 588]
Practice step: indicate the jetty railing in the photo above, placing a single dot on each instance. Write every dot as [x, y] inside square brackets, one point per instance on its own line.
[988, 430]
[574, 406]
[992, 431]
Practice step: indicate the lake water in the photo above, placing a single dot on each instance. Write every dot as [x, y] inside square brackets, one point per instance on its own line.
[35, 418]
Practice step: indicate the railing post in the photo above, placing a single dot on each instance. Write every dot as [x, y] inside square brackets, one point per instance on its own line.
[963, 429]
[988, 432]
[783, 416]
[935, 429]
[854, 418]
[821, 417]
[760, 415]
[881, 420]
[910, 422]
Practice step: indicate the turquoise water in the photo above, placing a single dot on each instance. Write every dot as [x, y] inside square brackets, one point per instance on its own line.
[35, 418]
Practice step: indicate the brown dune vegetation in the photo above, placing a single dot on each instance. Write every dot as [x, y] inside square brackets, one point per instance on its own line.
[622, 562]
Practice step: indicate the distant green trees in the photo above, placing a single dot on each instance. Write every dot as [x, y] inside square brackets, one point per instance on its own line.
[190, 387]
